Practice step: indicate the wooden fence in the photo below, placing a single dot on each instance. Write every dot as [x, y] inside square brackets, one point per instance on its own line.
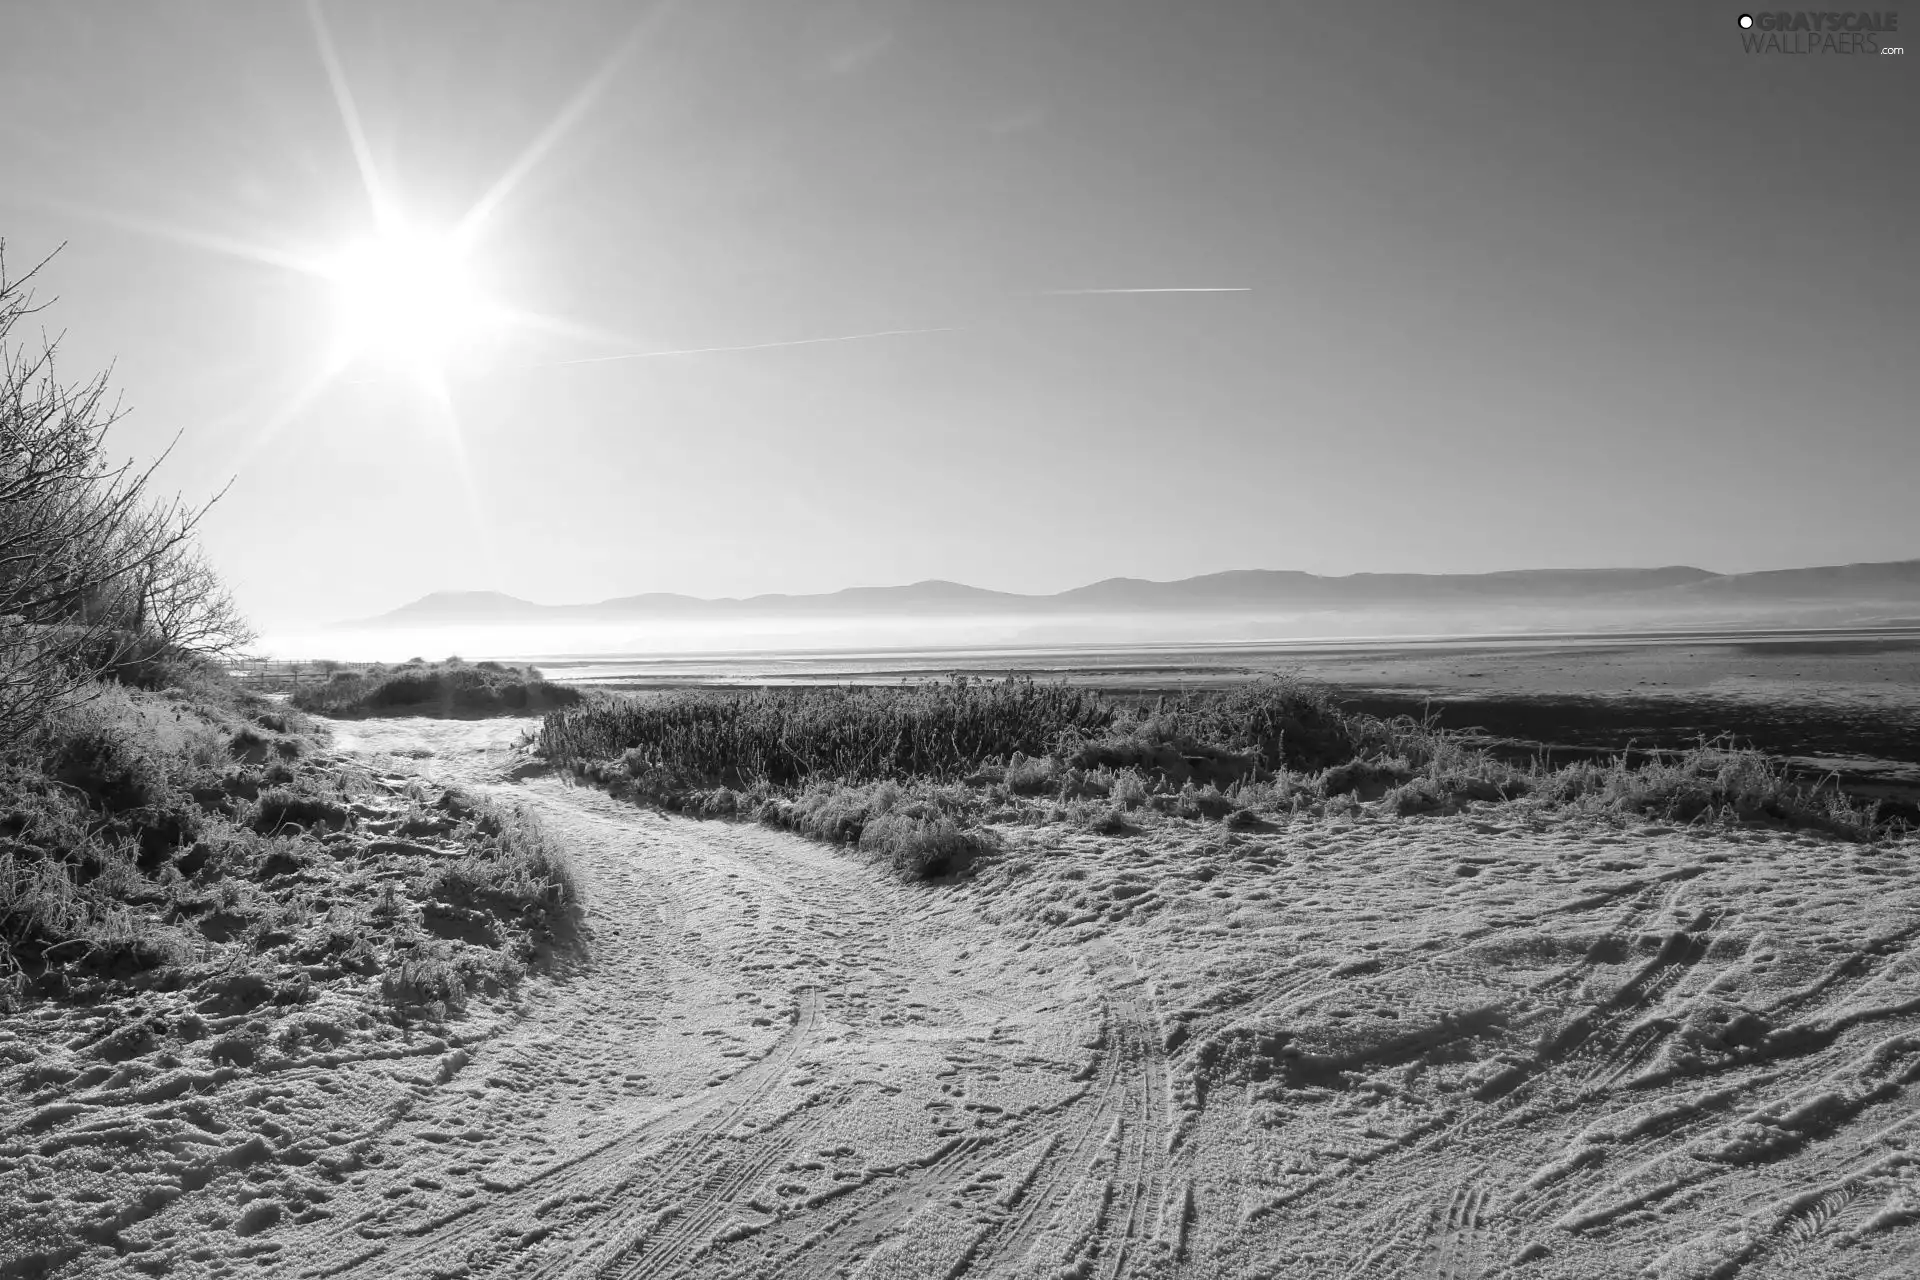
[274, 676]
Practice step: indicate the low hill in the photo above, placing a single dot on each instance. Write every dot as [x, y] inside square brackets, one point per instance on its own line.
[1892, 580]
[1235, 592]
[441, 607]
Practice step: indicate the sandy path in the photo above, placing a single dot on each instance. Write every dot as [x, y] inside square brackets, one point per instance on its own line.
[770, 1061]
[1459, 1048]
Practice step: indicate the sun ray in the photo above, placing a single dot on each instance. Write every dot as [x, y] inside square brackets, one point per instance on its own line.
[749, 346]
[350, 118]
[563, 327]
[447, 419]
[212, 241]
[296, 404]
[469, 226]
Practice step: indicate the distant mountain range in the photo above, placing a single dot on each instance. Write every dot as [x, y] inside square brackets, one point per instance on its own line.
[1240, 592]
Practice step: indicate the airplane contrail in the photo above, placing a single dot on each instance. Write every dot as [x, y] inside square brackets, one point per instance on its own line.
[1060, 293]
[752, 346]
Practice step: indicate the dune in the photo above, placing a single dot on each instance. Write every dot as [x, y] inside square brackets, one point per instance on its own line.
[1352, 1046]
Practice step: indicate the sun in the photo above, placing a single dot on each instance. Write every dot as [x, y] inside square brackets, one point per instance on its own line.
[405, 298]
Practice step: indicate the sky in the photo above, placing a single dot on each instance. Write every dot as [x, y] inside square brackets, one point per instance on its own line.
[1488, 286]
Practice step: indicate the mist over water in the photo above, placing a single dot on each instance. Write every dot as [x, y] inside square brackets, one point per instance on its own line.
[843, 634]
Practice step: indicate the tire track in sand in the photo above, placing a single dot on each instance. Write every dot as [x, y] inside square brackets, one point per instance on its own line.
[1457, 1237]
[682, 1232]
[678, 1151]
[1120, 1120]
[668, 1216]
[1127, 1107]
[713, 1114]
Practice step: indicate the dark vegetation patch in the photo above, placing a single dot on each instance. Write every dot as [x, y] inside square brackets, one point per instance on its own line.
[1869, 752]
[926, 769]
[454, 688]
[156, 842]
[1519, 726]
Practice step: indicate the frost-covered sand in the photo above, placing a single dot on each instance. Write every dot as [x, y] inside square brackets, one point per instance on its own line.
[1457, 1047]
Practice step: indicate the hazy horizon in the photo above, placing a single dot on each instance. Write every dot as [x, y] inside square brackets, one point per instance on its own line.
[1233, 569]
[1229, 608]
[640, 639]
[1024, 296]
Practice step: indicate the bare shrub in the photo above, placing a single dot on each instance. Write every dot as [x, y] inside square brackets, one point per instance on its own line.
[1129, 789]
[513, 861]
[1714, 781]
[1027, 776]
[96, 574]
[281, 806]
[922, 845]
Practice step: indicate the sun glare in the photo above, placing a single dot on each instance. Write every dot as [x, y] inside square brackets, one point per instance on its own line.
[404, 298]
